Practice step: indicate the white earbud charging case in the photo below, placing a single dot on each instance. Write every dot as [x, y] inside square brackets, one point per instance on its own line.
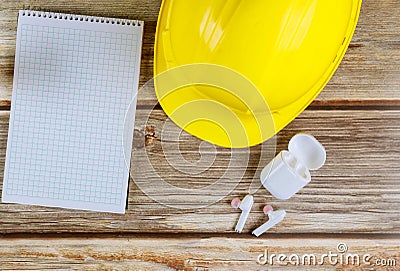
[289, 171]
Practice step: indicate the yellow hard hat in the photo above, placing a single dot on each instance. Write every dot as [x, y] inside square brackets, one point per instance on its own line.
[286, 50]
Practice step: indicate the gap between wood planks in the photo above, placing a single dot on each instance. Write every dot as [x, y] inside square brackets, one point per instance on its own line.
[316, 105]
[368, 74]
[199, 235]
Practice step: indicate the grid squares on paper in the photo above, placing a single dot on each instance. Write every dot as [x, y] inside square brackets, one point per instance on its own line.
[72, 90]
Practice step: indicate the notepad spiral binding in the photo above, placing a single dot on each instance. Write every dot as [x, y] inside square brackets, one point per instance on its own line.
[73, 17]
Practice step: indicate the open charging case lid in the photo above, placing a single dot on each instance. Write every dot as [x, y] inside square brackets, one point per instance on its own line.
[308, 150]
[287, 50]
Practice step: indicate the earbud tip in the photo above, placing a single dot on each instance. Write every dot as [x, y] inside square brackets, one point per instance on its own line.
[267, 209]
[235, 203]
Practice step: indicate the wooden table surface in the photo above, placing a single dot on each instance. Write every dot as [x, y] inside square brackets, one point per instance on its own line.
[354, 199]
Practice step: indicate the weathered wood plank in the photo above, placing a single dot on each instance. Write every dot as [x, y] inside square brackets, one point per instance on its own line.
[370, 71]
[357, 191]
[371, 67]
[146, 10]
[193, 253]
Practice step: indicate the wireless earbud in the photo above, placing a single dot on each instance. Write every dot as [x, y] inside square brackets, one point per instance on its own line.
[245, 206]
[274, 217]
[283, 177]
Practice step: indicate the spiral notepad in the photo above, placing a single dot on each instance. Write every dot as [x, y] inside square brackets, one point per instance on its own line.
[74, 79]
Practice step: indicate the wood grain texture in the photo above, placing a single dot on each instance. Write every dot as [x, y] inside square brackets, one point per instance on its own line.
[186, 253]
[370, 71]
[356, 194]
[357, 191]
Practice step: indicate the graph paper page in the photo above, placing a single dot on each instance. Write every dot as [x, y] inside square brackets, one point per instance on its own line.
[74, 79]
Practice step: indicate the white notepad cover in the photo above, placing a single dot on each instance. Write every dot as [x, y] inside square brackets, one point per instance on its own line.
[74, 79]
